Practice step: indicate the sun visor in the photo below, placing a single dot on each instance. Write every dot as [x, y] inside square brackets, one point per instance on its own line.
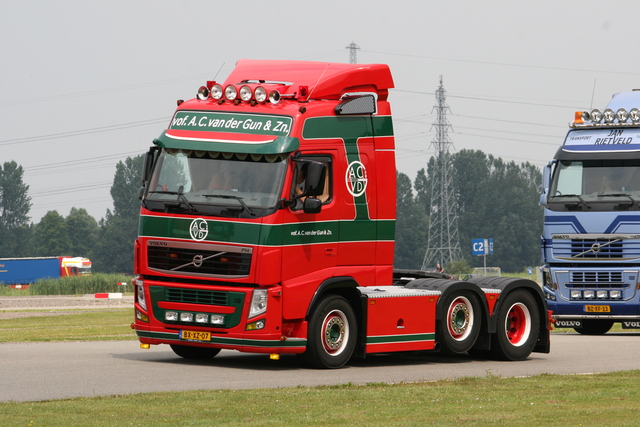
[229, 132]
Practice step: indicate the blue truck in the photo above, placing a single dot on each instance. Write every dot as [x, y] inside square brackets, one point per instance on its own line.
[23, 271]
[591, 237]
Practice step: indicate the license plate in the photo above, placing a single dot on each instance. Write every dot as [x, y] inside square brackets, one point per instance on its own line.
[195, 336]
[597, 308]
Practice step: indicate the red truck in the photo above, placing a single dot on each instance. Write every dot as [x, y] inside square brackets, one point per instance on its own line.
[267, 226]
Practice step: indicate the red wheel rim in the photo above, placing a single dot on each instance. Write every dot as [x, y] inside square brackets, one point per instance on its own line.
[518, 324]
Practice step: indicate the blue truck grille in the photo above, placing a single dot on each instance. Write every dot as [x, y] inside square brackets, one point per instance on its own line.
[596, 249]
[596, 279]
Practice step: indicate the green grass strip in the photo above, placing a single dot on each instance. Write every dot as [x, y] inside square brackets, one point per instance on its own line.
[549, 400]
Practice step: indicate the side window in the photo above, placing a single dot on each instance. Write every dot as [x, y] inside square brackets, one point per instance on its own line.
[299, 181]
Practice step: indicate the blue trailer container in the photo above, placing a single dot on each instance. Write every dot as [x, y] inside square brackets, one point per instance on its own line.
[22, 271]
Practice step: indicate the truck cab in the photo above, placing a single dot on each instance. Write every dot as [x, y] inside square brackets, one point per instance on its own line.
[591, 239]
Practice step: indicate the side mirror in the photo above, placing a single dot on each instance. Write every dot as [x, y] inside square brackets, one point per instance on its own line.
[546, 182]
[148, 163]
[316, 174]
[312, 206]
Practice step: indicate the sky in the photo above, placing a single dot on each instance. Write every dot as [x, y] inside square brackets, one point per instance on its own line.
[84, 85]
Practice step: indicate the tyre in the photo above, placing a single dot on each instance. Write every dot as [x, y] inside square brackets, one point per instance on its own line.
[188, 352]
[331, 338]
[594, 327]
[517, 327]
[459, 327]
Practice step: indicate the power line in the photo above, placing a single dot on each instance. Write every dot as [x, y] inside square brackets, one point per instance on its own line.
[504, 64]
[83, 131]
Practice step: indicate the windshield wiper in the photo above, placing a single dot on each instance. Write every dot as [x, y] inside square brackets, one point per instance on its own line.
[238, 198]
[634, 202]
[576, 196]
[181, 197]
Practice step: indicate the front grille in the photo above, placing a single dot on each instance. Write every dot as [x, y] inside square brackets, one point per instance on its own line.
[196, 296]
[622, 248]
[199, 259]
[590, 277]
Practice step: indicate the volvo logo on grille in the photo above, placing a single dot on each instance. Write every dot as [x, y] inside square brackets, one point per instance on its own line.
[199, 229]
[197, 261]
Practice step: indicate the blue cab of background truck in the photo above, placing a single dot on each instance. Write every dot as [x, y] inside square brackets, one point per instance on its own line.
[25, 271]
[615, 222]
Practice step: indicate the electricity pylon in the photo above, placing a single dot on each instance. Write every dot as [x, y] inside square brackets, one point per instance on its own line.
[443, 242]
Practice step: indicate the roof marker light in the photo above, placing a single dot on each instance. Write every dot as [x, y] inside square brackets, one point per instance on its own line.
[609, 115]
[596, 116]
[261, 94]
[622, 115]
[634, 114]
[585, 116]
[203, 93]
[578, 118]
[230, 92]
[245, 93]
[216, 91]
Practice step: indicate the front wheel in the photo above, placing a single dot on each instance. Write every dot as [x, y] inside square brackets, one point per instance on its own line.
[517, 329]
[199, 353]
[460, 325]
[331, 337]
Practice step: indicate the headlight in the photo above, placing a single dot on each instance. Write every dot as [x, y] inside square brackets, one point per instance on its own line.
[217, 319]
[634, 114]
[216, 91]
[186, 317]
[602, 294]
[615, 294]
[171, 316]
[202, 318]
[622, 115]
[140, 294]
[596, 116]
[245, 93]
[609, 115]
[230, 92]
[576, 294]
[258, 302]
[260, 94]
[589, 294]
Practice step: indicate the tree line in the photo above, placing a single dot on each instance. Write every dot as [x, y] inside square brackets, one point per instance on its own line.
[495, 199]
[108, 242]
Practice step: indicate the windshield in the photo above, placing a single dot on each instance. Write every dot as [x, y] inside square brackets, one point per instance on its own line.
[590, 182]
[224, 184]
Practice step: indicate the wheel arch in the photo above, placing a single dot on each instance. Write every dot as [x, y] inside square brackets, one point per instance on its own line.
[346, 287]
[507, 285]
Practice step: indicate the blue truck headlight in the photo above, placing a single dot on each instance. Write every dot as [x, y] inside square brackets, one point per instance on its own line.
[602, 294]
[576, 294]
[589, 294]
[615, 294]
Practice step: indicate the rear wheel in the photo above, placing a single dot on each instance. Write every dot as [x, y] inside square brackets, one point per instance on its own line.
[517, 329]
[188, 352]
[459, 327]
[594, 327]
[332, 334]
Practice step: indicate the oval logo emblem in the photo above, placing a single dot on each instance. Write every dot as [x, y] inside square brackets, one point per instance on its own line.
[199, 229]
[356, 179]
